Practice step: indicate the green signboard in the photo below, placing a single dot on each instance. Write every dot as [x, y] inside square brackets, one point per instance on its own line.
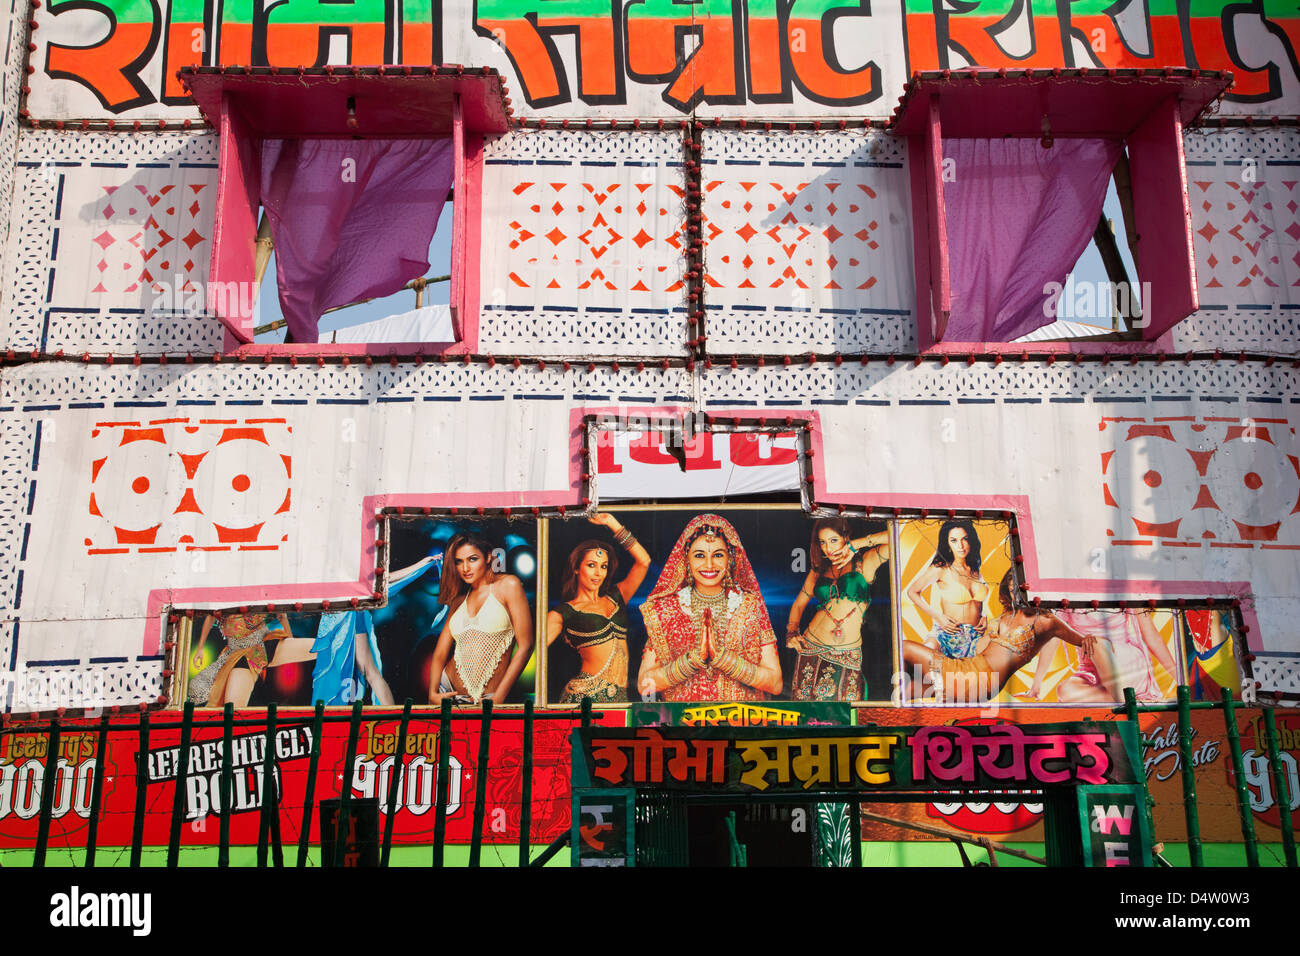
[847, 759]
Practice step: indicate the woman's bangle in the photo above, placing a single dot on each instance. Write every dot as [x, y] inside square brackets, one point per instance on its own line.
[736, 667]
[726, 662]
[683, 668]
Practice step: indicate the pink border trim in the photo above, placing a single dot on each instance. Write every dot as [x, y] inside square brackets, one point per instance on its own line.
[571, 496]
[1013, 349]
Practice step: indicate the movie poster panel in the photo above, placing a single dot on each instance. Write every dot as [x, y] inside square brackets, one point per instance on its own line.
[735, 605]
[1210, 640]
[385, 655]
[950, 574]
[1116, 648]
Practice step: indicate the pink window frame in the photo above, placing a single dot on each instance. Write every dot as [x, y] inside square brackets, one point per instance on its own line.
[919, 117]
[476, 104]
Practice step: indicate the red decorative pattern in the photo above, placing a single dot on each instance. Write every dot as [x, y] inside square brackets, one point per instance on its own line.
[141, 229]
[577, 236]
[189, 484]
[1195, 481]
[1246, 233]
[792, 235]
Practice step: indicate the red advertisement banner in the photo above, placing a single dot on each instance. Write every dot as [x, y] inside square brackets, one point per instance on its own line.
[1018, 816]
[23, 762]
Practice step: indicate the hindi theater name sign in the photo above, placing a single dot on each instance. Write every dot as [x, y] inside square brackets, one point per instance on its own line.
[778, 760]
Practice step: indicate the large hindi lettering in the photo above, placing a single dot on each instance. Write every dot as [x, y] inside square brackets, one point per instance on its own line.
[831, 763]
[691, 761]
[794, 760]
[945, 755]
[814, 54]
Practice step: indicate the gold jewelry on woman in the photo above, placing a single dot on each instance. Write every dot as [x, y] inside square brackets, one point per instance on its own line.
[736, 667]
[716, 604]
[839, 622]
[683, 668]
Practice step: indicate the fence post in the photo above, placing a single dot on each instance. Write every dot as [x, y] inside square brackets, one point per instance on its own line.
[227, 785]
[141, 786]
[395, 784]
[1194, 851]
[480, 783]
[97, 790]
[526, 797]
[270, 805]
[1148, 802]
[345, 794]
[444, 771]
[182, 775]
[49, 780]
[309, 790]
[1281, 793]
[1239, 774]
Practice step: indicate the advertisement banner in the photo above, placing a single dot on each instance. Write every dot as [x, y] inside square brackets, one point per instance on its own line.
[736, 604]
[775, 760]
[779, 714]
[662, 464]
[1003, 813]
[22, 774]
[384, 655]
[832, 59]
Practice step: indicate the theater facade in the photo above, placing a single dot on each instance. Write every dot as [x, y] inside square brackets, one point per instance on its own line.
[892, 365]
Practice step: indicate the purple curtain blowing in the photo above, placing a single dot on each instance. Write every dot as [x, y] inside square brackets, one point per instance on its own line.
[1018, 216]
[351, 219]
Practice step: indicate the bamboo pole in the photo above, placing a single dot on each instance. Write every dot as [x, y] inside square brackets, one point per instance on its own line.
[141, 784]
[526, 797]
[416, 285]
[49, 780]
[1148, 802]
[1190, 812]
[270, 805]
[97, 790]
[227, 784]
[956, 835]
[313, 765]
[345, 794]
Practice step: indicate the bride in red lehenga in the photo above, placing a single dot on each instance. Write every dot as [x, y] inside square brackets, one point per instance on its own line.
[709, 637]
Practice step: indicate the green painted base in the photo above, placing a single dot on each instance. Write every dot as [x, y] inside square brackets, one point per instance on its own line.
[246, 856]
[945, 854]
[906, 853]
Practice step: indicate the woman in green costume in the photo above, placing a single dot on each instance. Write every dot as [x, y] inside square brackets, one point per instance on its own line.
[830, 649]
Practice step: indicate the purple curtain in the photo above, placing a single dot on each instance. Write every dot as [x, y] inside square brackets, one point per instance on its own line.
[351, 219]
[1018, 216]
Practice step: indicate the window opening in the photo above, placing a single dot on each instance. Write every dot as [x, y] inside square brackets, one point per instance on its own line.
[406, 140]
[996, 222]
[1101, 298]
[418, 312]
